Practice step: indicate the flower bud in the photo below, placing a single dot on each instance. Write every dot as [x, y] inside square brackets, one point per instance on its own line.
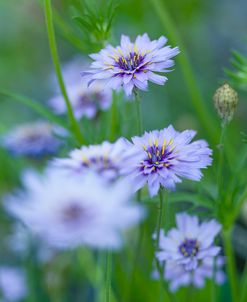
[225, 101]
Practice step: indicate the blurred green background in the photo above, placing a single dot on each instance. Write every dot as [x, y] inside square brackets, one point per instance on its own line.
[209, 31]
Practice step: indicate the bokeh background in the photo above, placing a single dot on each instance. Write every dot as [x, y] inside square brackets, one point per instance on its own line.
[210, 30]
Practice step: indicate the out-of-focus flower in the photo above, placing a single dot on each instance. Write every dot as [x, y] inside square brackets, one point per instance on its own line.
[85, 101]
[178, 276]
[71, 211]
[132, 65]
[160, 158]
[35, 139]
[225, 101]
[105, 159]
[19, 241]
[190, 242]
[12, 284]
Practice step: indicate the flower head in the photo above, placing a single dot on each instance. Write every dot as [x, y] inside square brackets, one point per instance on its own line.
[178, 276]
[12, 284]
[162, 158]
[225, 101]
[85, 101]
[71, 211]
[105, 159]
[131, 65]
[190, 242]
[33, 140]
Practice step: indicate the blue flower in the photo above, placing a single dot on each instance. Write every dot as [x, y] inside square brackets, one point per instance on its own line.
[35, 139]
[162, 158]
[132, 65]
[190, 242]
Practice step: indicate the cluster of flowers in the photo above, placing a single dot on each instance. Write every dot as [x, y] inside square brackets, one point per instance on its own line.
[87, 198]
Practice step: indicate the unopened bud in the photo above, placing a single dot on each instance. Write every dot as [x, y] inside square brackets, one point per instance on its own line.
[225, 101]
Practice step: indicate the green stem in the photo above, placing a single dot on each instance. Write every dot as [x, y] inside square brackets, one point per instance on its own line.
[108, 276]
[138, 112]
[114, 117]
[243, 286]
[221, 160]
[53, 48]
[231, 266]
[195, 94]
[159, 218]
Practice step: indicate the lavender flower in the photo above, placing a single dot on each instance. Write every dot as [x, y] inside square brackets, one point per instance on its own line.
[32, 140]
[69, 212]
[161, 158]
[178, 276]
[132, 65]
[105, 159]
[85, 101]
[12, 284]
[190, 242]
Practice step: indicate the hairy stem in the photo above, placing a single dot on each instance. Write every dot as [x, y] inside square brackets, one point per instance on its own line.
[54, 53]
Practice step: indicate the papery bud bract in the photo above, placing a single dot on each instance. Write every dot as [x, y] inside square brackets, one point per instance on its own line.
[225, 101]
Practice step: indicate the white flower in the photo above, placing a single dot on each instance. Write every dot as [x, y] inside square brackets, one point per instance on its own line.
[72, 211]
[105, 159]
[12, 284]
[85, 101]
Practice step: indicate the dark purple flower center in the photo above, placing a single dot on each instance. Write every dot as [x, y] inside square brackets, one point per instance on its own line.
[189, 247]
[101, 164]
[131, 62]
[74, 213]
[85, 100]
[159, 157]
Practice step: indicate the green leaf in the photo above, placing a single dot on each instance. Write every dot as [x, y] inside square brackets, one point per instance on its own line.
[34, 105]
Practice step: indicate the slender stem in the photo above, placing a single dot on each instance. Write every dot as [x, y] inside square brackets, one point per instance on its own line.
[138, 112]
[108, 276]
[221, 159]
[114, 117]
[159, 218]
[54, 53]
[231, 266]
[195, 94]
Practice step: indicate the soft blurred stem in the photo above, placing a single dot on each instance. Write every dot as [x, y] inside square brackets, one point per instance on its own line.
[53, 48]
[243, 285]
[95, 272]
[137, 252]
[138, 111]
[108, 276]
[221, 160]
[231, 266]
[195, 94]
[213, 284]
[114, 117]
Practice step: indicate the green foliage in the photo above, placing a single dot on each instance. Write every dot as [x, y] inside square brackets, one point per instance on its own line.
[94, 18]
[239, 73]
